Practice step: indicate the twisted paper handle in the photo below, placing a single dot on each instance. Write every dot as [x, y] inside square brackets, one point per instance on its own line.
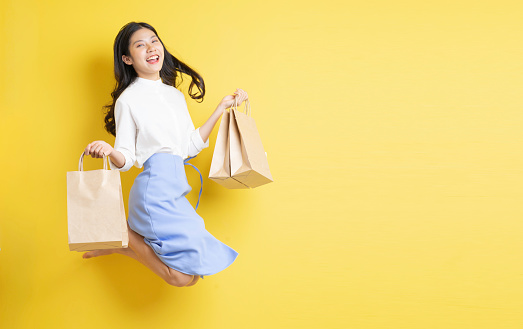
[81, 162]
[247, 106]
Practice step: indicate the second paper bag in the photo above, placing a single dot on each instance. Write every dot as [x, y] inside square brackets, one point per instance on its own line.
[95, 209]
[249, 164]
[220, 170]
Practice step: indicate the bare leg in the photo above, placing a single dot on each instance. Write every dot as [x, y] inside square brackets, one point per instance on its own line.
[145, 255]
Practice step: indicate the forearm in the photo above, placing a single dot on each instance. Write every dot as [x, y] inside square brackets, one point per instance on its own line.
[117, 158]
[207, 127]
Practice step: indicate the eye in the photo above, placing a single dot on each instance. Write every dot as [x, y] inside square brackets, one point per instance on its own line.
[155, 40]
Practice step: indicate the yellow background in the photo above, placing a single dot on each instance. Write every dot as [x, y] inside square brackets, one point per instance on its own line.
[393, 132]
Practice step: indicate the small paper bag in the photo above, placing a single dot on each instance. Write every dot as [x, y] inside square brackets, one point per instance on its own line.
[220, 170]
[95, 209]
[249, 163]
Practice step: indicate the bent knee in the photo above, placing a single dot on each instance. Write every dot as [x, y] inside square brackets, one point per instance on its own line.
[179, 280]
[193, 282]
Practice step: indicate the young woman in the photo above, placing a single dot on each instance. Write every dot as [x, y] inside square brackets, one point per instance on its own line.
[153, 129]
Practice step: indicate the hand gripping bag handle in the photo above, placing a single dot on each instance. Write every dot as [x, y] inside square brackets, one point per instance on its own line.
[247, 106]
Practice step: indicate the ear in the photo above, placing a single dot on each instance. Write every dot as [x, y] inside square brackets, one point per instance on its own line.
[127, 60]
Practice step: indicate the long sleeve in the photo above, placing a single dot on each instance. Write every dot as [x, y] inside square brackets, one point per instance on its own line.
[196, 143]
[125, 141]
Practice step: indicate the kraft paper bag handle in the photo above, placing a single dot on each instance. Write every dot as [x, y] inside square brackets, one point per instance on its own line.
[81, 162]
[247, 106]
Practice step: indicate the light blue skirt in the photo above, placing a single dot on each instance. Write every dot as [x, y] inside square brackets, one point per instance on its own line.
[160, 212]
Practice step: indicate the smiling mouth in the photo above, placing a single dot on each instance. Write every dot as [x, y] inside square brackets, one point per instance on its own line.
[153, 59]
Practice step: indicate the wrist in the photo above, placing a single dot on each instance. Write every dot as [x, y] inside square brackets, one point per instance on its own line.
[220, 109]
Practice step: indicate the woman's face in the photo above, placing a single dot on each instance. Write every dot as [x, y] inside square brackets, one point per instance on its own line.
[145, 54]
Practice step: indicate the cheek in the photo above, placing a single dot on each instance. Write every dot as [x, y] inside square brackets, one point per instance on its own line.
[137, 57]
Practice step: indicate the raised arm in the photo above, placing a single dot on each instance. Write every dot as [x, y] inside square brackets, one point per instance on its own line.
[227, 101]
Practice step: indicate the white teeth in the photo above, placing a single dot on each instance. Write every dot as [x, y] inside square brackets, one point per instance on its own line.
[153, 57]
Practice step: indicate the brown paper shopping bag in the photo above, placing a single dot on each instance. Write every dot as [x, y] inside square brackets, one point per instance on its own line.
[248, 159]
[95, 210]
[220, 170]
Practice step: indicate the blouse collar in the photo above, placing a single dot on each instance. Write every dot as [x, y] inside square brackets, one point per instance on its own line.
[147, 82]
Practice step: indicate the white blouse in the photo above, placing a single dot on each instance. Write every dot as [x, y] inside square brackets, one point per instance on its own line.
[152, 117]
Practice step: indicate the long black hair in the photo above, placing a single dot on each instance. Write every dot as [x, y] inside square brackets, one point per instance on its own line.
[125, 74]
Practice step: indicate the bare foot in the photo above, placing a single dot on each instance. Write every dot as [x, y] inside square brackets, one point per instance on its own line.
[96, 253]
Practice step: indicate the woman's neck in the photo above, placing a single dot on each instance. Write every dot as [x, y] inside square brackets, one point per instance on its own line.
[153, 77]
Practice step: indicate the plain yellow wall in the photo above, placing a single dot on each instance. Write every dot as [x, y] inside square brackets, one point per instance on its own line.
[393, 132]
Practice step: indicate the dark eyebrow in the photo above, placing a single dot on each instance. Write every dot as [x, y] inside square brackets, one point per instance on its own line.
[142, 40]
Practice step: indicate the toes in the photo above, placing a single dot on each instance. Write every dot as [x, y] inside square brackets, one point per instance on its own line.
[100, 252]
[94, 253]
